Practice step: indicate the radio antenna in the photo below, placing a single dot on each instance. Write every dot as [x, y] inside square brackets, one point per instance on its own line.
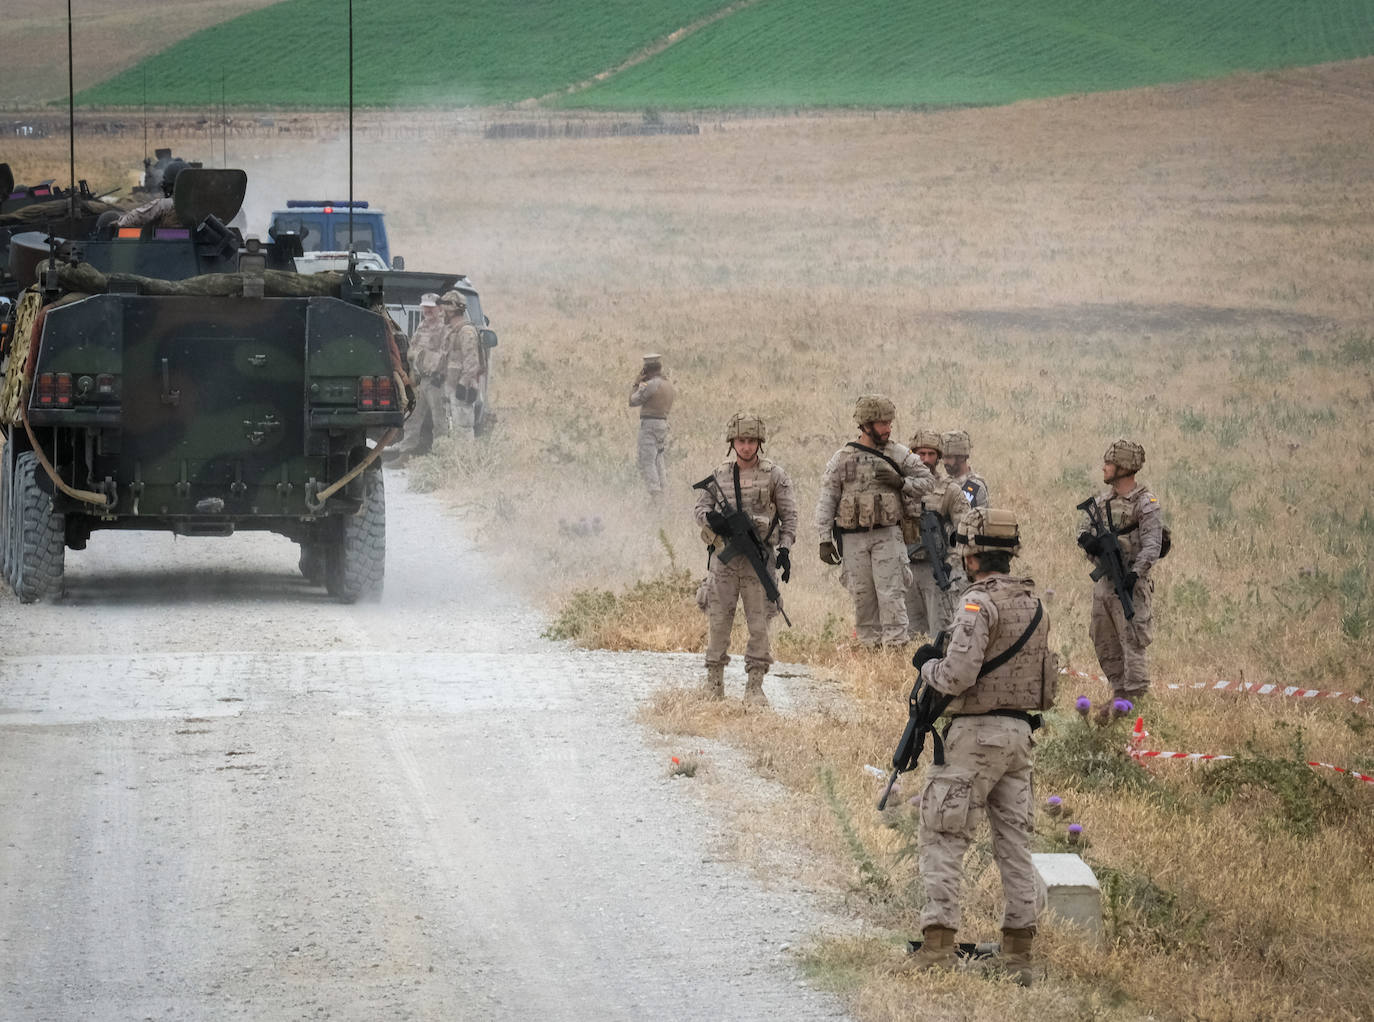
[71, 115]
[352, 242]
[145, 119]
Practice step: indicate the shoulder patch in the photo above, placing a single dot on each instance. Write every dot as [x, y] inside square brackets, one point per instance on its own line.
[973, 608]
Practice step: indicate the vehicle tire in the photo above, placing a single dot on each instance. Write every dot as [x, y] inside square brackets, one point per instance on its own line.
[6, 514]
[312, 563]
[355, 562]
[37, 535]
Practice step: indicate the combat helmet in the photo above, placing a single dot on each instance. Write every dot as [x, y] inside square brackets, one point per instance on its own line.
[453, 300]
[874, 408]
[957, 444]
[928, 438]
[1126, 455]
[988, 529]
[170, 173]
[747, 425]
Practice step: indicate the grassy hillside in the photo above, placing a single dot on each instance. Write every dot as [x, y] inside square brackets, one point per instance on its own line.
[408, 52]
[897, 52]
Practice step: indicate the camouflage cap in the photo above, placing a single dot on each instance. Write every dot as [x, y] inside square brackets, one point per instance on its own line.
[428, 300]
[927, 438]
[1126, 455]
[957, 443]
[747, 425]
[874, 408]
[985, 528]
[453, 300]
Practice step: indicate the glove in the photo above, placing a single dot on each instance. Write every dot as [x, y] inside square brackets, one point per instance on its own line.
[1131, 579]
[716, 522]
[784, 563]
[923, 655]
[829, 554]
[1092, 545]
[888, 476]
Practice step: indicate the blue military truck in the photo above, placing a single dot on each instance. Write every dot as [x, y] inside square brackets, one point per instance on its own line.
[323, 226]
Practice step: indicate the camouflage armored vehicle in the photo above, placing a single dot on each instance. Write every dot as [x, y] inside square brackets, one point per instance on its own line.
[180, 379]
[43, 206]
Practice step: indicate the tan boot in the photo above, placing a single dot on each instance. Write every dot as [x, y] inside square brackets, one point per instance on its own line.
[753, 688]
[1015, 959]
[714, 687]
[936, 950]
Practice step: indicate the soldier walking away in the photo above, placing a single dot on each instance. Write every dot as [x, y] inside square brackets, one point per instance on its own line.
[868, 487]
[928, 606]
[1131, 513]
[652, 393]
[428, 365]
[761, 489]
[467, 365]
[160, 212]
[997, 672]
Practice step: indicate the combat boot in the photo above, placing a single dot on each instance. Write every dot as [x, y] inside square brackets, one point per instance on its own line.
[936, 950]
[753, 688]
[1015, 959]
[714, 686]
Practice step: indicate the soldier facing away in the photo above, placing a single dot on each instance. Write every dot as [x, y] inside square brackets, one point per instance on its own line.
[160, 212]
[1132, 512]
[869, 486]
[997, 671]
[760, 488]
[652, 393]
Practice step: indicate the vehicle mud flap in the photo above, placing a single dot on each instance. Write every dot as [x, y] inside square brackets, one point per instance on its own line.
[312, 563]
[36, 535]
[355, 558]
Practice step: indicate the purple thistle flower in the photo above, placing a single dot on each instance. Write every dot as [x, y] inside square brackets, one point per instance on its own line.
[1083, 704]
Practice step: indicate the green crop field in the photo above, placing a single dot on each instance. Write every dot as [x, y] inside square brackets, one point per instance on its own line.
[770, 53]
[901, 52]
[407, 52]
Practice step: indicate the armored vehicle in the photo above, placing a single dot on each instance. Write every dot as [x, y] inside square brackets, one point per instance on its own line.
[42, 206]
[181, 379]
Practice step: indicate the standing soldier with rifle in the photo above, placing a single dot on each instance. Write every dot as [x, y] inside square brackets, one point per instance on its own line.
[869, 486]
[997, 672]
[748, 514]
[1125, 537]
[930, 597]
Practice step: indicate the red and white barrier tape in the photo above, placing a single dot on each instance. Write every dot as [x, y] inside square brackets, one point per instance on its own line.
[1342, 770]
[1291, 691]
[1159, 754]
[1139, 734]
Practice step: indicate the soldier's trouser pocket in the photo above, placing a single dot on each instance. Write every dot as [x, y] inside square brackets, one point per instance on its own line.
[946, 800]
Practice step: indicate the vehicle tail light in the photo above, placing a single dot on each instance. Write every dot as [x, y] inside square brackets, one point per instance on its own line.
[386, 392]
[64, 390]
[367, 393]
[105, 385]
[46, 389]
[130, 232]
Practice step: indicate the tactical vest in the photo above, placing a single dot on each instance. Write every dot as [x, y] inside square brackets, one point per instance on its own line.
[756, 496]
[865, 502]
[660, 402]
[973, 489]
[1030, 679]
[424, 348]
[1122, 515]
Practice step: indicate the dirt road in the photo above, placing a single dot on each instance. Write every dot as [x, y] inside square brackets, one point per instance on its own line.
[223, 796]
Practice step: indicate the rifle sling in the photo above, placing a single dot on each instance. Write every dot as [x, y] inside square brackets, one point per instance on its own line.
[877, 453]
[1011, 651]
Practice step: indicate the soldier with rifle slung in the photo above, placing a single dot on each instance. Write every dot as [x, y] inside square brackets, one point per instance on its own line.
[748, 517]
[1125, 536]
[930, 597]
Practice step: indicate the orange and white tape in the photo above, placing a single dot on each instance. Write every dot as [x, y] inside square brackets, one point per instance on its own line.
[1251, 687]
[1343, 770]
[1209, 757]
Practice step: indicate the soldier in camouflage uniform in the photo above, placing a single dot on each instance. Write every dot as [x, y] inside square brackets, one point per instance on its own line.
[928, 607]
[160, 212]
[1132, 512]
[430, 419]
[964, 482]
[762, 489]
[652, 393]
[869, 486]
[996, 673]
[466, 367]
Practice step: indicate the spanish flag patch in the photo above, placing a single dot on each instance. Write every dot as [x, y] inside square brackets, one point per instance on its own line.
[972, 608]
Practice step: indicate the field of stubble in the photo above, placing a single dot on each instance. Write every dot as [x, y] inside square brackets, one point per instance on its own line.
[1187, 266]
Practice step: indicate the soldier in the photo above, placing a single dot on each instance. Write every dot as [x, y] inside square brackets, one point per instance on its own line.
[869, 486]
[466, 366]
[956, 451]
[429, 366]
[928, 607]
[760, 488]
[1132, 512]
[998, 670]
[652, 393]
[160, 212]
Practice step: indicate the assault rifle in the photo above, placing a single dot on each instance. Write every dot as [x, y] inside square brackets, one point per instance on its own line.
[936, 545]
[923, 709]
[742, 539]
[1111, 561]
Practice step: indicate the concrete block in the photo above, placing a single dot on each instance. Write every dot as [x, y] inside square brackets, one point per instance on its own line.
[1072, 892]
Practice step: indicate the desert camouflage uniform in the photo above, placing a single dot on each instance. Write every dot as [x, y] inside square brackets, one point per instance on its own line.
[766, 495]
[1120, 644]
[463, 376]
[868, 515]
[973, 489]
[928, 607]
[987, 769]
[430, 419]
[654, 399]
[161, 212]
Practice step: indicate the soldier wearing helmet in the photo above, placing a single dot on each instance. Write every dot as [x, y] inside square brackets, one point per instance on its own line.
[957, 447]
[1131, 511]
[160, 212]
[761, 488]
[928, 607]
[996, 672]
[466, 367]
[870, 485]
[652, 393]
[434, 374]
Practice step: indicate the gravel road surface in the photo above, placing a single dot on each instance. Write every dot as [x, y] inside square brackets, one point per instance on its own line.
[224, 796]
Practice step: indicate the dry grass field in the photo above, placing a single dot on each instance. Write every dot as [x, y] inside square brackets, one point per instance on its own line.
[1189, 266]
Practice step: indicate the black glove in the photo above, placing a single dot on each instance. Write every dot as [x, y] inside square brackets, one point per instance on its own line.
[784, 563]
[887, 475]
[829, 554]
[924, 655]
[1092, 545]
[717, 523]
[1131, 579]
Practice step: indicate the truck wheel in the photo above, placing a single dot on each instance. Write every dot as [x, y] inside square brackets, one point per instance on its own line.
[355, 562]
[6, 514]
[312, 563]
[37, 536]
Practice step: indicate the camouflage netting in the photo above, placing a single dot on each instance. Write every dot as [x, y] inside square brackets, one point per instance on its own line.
[14, 390]
[40, 213]
[276, 283]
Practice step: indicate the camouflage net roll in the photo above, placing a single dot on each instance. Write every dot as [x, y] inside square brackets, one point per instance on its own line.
[276, 283]
[40, 213]
[14, 390]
